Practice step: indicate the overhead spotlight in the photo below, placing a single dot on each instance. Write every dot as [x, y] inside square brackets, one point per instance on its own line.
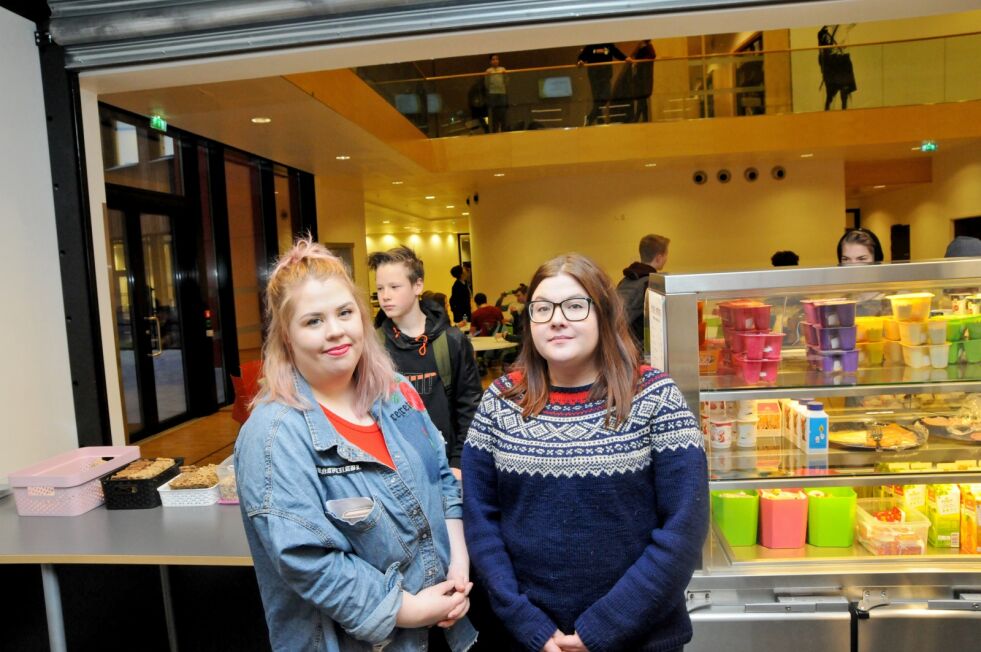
[723, 176]
[699, 177]
[778, 173]
[751, 174]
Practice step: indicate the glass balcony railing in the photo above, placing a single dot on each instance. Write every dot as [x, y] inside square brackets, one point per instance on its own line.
[897, 73]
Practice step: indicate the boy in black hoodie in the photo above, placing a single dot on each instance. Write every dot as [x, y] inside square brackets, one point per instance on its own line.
[436, 357]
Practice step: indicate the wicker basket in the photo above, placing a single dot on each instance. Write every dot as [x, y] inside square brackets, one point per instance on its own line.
[137, 494]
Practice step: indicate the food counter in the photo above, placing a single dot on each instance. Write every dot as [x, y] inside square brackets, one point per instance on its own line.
[841, 415]
[103, 541]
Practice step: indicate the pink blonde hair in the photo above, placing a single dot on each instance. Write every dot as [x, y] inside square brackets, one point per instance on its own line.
[374, 377]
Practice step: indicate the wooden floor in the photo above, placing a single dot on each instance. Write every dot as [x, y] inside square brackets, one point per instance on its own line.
[210, 439]
[207, 440]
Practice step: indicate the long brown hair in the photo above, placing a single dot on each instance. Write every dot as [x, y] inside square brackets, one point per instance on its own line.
[616, 355]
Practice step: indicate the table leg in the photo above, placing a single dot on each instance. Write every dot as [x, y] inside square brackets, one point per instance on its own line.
[168, 605]
[52, 608]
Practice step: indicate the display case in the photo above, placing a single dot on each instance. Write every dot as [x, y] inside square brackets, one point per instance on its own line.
[841, 408]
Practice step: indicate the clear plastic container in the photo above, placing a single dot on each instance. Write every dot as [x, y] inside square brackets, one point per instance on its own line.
[936, 331]
[913, 306]
[913, 333]
[227, 487]
[892, 353]
[930, 355]
[907, 536]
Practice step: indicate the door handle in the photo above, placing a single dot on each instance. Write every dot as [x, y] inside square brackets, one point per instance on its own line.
[154, 353]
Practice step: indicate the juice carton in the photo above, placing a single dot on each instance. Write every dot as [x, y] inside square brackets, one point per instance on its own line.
[944, 512]
[813, 424]
[970, 518]
[910, 496]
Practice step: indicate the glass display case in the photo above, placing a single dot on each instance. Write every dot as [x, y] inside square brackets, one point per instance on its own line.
[841, 409]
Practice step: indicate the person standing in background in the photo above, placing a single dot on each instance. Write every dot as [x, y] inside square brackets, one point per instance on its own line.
[460, 294]
[643, 81]
[496, 84]
[632, 288]
[837, 74]
[434, 356]
[784, 259]
[598, 57]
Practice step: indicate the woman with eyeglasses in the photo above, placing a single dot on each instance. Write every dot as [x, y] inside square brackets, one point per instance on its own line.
[586, 488]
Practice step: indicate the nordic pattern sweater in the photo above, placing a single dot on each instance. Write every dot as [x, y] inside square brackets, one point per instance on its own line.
[576, 526]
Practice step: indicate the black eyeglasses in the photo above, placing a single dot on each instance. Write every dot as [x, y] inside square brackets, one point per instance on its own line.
[575, 309]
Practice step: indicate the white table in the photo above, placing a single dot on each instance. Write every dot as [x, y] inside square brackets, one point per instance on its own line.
[489, 343]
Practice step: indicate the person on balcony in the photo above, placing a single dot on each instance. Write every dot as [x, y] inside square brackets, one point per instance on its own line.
[599, 57]
[837, 74]
[496, 84]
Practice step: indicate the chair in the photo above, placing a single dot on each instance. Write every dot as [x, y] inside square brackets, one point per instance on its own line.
[246, 387]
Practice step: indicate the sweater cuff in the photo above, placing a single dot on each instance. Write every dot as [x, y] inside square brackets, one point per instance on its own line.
[591, 628]
[536, 632]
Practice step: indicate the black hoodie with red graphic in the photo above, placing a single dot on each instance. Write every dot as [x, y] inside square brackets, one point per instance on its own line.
[415, 358]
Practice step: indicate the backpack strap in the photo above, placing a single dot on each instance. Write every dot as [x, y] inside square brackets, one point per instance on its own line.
[441, 349]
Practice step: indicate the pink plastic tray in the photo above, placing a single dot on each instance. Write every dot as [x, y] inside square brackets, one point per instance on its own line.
[68, 484]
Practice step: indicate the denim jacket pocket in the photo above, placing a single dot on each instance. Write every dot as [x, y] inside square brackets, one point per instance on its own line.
[372, 535]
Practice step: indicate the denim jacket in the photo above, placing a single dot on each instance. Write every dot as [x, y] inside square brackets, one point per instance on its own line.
[335, 535]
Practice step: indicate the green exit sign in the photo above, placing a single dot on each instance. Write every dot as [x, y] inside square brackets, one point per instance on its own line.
[928, 146]
[157, 122]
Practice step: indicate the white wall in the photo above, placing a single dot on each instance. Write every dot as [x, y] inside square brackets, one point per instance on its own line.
[929, 208]
[35, 387]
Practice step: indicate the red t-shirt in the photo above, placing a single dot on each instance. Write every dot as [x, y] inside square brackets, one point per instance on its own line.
[485, 318]
[367, 438]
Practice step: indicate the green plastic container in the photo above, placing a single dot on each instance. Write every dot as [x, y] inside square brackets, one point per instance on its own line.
[974, 327]
[737, 517]
[831, 518]
[972, 350]
[954, 354]
[956, 324]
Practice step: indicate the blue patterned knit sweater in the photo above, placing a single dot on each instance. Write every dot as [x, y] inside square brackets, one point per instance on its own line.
[575, 526]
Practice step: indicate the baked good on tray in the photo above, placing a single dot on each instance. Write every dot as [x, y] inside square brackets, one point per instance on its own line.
[196, 477]
[143, 469]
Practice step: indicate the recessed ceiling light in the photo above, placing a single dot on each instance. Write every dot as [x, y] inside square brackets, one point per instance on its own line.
[430, 196]
[650, 165]
[450, 206]
[466, 213]
[397, 183]
[878, 187]
[343, 157]
[261, 120]
[498, 174]
[807, 155]
[915, 149]
[386, 221]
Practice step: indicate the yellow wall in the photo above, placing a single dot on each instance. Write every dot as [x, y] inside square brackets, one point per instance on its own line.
[340, 218]
[712, 227]
[438, 252]
[942, 70]
[929, 209]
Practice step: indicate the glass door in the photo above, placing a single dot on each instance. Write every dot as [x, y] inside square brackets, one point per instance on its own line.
[148, 318]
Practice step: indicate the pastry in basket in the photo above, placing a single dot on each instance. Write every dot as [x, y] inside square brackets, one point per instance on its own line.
[143, 469]
[196, 477]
